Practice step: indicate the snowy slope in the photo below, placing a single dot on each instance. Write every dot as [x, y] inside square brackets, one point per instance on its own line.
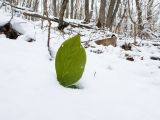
[112, 88]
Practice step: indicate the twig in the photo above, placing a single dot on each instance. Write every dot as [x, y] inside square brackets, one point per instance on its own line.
[135, 47]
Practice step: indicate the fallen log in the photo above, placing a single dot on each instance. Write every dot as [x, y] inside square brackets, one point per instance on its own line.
[65, 24]
[31, 13]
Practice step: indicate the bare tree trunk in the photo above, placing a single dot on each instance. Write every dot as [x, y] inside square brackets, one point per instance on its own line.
[61, 14]
[123, 16]
[76, 9]
[54, 7]
[91, 12]
[67, 11]
[58, 6]
[29, 3]
[87, 16]
[71, 14]
[149, 12]
[139, 10]
[112, 12]
[134, 22]
[81, 12]
[35, 7]
[23, 4]
[101, 19]
[115, 12]
[96, 11]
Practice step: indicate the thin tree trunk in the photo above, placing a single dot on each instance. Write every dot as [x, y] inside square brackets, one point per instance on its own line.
[139, 10]
[134, 22]
[81, 12]
[49, 27]
[101, 19]
[110, 13]
[35, 7]
[91, 12]
[71, 14]
[123, 16]
[114, 13]
[67, 11]
[55, 8]
[76, 9]
[61, 14]
[87, 16]
[149, 12]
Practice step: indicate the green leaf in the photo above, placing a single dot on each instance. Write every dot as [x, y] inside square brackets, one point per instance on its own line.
[70, 61]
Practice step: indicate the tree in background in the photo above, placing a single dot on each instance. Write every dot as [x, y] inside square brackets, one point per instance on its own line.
[87, 16]
[61, 14]
[72, 7]
[139, 10]
[112, 14]
[113, 8]
[54, 3]
[101, 19]
[149, 13]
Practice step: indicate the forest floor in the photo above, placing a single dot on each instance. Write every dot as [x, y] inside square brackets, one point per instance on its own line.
[112, 88]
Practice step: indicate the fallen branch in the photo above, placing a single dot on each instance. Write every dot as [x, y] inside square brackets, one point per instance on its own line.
[56, 20]
[31, 13]
[135, 47]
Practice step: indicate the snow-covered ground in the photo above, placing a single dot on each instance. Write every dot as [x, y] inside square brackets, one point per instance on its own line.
[112, 88]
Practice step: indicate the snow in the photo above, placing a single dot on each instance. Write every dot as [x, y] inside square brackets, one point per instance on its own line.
[112, 88]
